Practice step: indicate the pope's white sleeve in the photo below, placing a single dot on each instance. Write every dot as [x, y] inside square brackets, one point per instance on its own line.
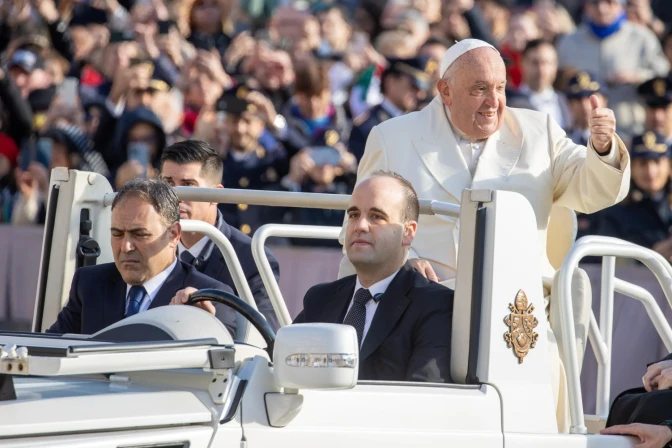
[584, 181]
[613, 157]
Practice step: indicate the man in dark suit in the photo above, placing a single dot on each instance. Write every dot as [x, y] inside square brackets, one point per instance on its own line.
[195, 164]
[403, 84]
[645, 412]
[403, 321]
[146, 272]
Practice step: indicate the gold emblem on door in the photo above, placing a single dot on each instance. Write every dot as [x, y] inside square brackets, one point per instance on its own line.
[521, 322]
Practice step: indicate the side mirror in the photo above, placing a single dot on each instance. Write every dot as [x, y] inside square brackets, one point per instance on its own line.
[316, 356]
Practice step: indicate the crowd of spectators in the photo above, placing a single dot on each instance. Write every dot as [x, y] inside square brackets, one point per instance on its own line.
[287, 91]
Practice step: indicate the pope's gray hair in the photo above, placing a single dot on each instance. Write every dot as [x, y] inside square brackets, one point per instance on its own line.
[450, 73]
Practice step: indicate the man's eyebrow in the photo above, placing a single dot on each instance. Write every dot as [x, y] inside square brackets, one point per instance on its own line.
[133, 230]
[377, 210]
[352, 209]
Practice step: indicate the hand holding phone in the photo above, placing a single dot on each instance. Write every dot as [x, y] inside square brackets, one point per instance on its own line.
[325, 155]
[139, 152]
[69, 91]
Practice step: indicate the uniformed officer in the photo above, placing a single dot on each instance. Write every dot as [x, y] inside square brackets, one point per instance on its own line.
[579, 89]
[645, 216]
[657, 94]
[403, 84]
[252, 157]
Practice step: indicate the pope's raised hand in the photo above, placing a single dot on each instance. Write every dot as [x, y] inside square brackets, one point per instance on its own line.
[602, 126]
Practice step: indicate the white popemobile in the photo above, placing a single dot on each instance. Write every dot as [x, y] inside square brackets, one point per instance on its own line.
[175, 378]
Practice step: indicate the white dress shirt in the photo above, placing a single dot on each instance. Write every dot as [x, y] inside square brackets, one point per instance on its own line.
[471, 149]
[391, 109]
[194, 250]
[372, 305]
[153, 285]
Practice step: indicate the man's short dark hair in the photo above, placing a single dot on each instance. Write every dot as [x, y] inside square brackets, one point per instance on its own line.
[411, 210]
[196, 151]
[312, 78]
[156, 193]
[536, 43]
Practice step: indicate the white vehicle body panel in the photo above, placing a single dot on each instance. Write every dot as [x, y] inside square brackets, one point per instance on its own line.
[198, 437]
[97, 406]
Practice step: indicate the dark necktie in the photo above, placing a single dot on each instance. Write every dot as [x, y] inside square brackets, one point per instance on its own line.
[135, 299]
[187, 257]
[357, 314]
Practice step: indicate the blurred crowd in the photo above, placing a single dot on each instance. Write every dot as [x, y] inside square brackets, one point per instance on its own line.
[288, 90]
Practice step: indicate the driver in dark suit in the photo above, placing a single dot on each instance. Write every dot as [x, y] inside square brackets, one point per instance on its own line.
[403, 321]
[146, 272]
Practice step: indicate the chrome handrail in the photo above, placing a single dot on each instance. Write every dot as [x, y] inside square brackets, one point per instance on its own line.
[287, 199]
[260, 258]
[608, 248]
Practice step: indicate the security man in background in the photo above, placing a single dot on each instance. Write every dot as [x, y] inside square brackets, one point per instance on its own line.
[403, 84]
[645, 216]
[657, 95]
[578, 91]
[253, 159]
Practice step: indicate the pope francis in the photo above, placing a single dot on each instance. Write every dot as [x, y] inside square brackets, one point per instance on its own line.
[467, 138]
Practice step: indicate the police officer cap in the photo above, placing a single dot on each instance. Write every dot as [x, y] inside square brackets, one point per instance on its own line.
[582, 85]
[650, 145]
[656, 92]
[330, 137]
[234, 101]
[417, 68]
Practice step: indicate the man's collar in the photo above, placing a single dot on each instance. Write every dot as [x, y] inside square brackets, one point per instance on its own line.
[153, 285]
[547, 94]
[391, 108]
[378, 288]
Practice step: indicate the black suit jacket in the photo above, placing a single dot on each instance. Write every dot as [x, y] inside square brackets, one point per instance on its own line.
[409, 337]
[211, 263]
[98, 298]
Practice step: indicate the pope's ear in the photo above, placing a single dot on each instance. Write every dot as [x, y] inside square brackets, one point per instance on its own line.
[443, 86]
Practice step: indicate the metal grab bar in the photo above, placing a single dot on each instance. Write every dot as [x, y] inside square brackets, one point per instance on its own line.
[260, 258]
[230, 257]
[605, 247]
[602, 345]
[287, 199]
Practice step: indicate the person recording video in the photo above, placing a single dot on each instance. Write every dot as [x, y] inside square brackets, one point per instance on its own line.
[325, 167]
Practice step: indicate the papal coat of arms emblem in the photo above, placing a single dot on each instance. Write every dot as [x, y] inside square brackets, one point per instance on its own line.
[521, 322]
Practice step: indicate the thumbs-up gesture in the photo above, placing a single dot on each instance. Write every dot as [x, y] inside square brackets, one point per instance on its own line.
[602, 126]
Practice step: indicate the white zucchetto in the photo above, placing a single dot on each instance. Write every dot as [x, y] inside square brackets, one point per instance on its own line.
[459, 49]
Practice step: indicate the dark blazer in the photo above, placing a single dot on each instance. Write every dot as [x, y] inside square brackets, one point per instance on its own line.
[98, 298]
[409, 337]
[211, 263]
[639, 406]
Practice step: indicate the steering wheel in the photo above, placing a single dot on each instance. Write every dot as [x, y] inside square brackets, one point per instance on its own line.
[239, 305]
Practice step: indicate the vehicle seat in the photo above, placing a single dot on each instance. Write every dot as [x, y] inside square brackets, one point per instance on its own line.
[561, 235]
[167, 323]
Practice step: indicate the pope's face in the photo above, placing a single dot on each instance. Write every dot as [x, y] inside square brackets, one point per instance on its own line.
[475, 94]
